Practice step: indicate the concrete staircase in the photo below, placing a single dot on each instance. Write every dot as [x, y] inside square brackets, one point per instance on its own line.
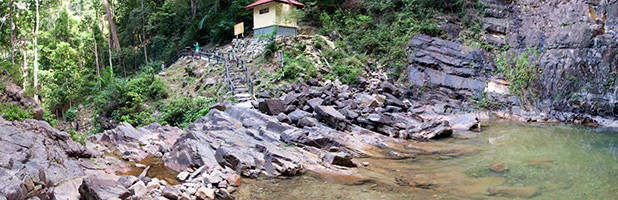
[239, 77]
[236, 74]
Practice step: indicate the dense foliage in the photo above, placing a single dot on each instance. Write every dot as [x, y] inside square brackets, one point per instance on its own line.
[381, 29]
[183, 111]
[13, 112]
[104, 54]
[79, 63]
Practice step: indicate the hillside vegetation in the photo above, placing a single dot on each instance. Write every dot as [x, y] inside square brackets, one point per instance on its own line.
[79, 62]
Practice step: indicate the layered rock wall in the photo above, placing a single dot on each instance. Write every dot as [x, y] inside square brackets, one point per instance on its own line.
[577, 45]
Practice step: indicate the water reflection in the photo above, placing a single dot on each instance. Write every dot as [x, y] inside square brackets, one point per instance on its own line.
[505, 161]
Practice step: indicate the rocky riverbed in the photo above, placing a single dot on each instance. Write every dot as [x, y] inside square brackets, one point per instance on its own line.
[318, 127]
[359, 135]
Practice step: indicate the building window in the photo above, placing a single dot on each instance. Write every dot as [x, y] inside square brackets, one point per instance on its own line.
[264, 11]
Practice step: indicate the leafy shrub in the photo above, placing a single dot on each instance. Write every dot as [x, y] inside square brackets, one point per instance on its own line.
[296, 65]
[123, 100]
[348, 74]
[79, 138]
[14, 112]
[10, 72]
[347, 67]
[184, 111]
[50, 118]
[520, 72]
[70, 115]
[271, 47]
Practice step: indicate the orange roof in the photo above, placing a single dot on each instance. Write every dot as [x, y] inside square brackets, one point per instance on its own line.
[262, 2]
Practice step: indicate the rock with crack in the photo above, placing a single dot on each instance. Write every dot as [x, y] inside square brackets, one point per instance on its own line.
[331, 116]
[339, 158]
[464, 122]
[102, 188]
[35, 158]
[239, 138]
[136, 144]
[253, 144]
[435, 130]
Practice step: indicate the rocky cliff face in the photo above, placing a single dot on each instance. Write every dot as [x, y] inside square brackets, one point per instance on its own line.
[578, 44]
[577, 61]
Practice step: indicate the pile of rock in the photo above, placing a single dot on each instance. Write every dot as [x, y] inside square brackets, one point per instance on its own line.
[380, 106]
[212, 154]
[208, 184]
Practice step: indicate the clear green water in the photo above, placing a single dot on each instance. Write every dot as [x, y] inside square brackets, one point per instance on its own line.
[541, 161]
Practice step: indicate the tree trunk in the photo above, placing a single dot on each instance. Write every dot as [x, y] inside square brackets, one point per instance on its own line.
[114, 36]
[36, 62]
[193, 9]
[24, 66]
[144, 34]
[109, 47]
[112, 26]
[109, 50]
[96, 57]
[12, 32]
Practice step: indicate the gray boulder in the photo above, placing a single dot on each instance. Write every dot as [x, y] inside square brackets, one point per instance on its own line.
[102, 188]
[271, 106]
[338, 158]
[331, 116]
[435, 130]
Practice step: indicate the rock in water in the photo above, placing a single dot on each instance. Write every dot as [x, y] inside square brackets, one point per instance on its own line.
[513, 192]
[233, 179]
[100, 188]
[339, 158]
[436, 130]
[498, 168]
[463, 121]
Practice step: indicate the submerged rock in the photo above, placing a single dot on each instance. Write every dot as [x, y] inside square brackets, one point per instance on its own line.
[513, 192]
[498, 168]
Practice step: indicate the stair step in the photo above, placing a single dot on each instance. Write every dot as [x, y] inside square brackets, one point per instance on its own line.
[242, 95]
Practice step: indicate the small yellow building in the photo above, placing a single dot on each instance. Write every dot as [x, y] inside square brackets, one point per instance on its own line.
[271, 14]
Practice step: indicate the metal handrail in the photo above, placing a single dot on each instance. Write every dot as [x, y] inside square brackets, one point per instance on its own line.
[219, 57]
[227, 75]
[248, 77]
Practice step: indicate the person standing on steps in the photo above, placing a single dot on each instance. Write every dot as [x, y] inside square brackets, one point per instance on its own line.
[197, 50]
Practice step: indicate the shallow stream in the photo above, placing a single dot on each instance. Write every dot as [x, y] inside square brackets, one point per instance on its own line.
[504, 161]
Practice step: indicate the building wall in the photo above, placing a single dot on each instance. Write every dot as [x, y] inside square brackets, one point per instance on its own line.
[266, 19]
[280, 14]
[281, 30]
[285, 16]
